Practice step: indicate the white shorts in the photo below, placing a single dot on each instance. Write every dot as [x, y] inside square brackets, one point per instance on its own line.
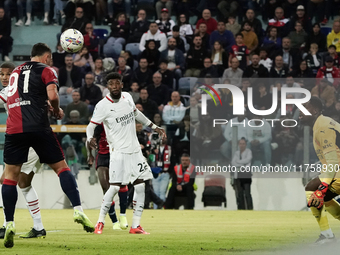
[33, 163]
[126, 168]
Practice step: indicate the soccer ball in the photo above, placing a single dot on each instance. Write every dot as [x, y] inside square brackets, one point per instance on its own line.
[71, 40]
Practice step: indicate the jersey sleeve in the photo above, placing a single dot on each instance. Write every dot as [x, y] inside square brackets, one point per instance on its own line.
[3, 95]
[49, 76]
[98, 114]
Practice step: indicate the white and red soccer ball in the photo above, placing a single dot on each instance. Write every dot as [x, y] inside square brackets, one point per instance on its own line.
[71, 40]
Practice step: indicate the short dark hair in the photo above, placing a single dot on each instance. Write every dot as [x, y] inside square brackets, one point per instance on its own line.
[9, 65]
[316, 103]
[113, 76]
[163, 61]
[239, 34]
[40, 49]
[68, 56]
[243, 138]
[332, 46]
[185, 155]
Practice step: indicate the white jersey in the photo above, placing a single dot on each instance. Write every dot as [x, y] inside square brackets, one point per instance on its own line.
[119, 122]
[3, 97]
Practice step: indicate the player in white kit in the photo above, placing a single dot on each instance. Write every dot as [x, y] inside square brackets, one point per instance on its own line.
[28, 169]
[118, 113]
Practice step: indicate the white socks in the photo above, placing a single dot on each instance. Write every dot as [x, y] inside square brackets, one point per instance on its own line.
[33, 206]
[138, 204]
[107, 201]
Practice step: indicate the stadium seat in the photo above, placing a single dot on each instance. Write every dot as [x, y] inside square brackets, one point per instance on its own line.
[214, 193]
[101, 33]
[133, 48]
[326, 30]
[185, 99]
[65, 100]
[185, 83]
[112, 50]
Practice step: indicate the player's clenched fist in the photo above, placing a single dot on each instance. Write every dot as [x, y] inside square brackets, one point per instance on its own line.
[317, 198]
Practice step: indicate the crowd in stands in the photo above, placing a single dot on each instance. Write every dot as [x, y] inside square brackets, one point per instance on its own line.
[262, 44]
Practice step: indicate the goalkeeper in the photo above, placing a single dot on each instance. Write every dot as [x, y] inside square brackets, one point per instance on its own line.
[321, 190]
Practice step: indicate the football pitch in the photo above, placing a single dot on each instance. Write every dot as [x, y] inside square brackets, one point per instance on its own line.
[173, 232]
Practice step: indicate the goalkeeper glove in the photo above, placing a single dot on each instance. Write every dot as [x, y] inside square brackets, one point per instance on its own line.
[317, 198]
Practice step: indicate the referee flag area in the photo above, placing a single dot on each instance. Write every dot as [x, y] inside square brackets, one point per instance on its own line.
[174, 232]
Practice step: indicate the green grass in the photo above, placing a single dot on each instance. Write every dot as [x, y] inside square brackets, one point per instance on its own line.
[172, 232]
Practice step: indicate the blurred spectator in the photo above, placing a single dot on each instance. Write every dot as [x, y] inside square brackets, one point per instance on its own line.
[262, 99]
[291, 110]
[99, 73]
[228, 134]
[29, 5]
[84, 60]
[301, 17]
[79, 106]
[332, 52]
[278, 70]
[202, 32]
[101, 11]
[298, 37]
[58, 13]
[167, 75]
[78, 21]
[330, 72]
[138, 27]
[161, 155]
[182, 183]
[227, 8]
[90, 93]
[232, 25]
[290, 83]
[74, 118]
[6, 40]
[69, 76]
[291, 56]
[254, 22]
[233, 73]
[91, 41]
[225, 37]
[326, 92]
[140, 108]
[302, 72]
[280, 22]
[151, 54]
[158, 92]
[59, 56]
[269, 9]
[249, 37]
[165, 23]
[185, 29]
[154, 34]
[219, 58]
[264, 60]
[260, 136]
[142, 75]
[242, 180]
[180, 40]
[130, 61]
[87, 7]
[195, 57]
[272, 42]
[163, 4]
[317, 8]
[174, 111]
[239, 51]
[313, 59]
[134, 91]
[174, 57]
[120, 30]
[315, 36]
[207, 19]
[181, 141]
[255, 70]
[125, 71]
[157, 119]
[334, 36]
[244, 87]
[150, 106]
[209, 69]
[119, 5]
[194, 110]
[291, 8]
